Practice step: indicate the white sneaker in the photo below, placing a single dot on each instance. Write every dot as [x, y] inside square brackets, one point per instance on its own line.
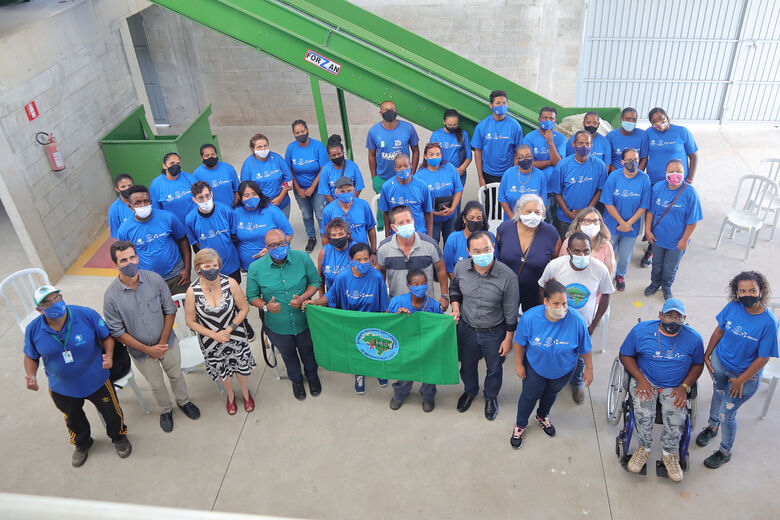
[673, 468]
[638, 460]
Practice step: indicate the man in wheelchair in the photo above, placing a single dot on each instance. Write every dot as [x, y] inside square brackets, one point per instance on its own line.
[664, 358]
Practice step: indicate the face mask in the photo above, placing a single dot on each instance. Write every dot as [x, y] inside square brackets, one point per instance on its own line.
[484, 259]
[405, 231]
[671, 327]
[591, 229]
[143, 211]
[361, 267]
[452, 129]
[436, 161]
[525, 164]
[628, 126]
[500, 110]
[473, 225]
[174, 170]
[129, 270]
[389, 115]
[404, 174]
[207, 206]
[661, 125]
[262, 153]
[302, 138]
[279, 253]
[210, 162]
[582, 151]
[592, 129]
[748, 301]
[345, 197]
[251, 202]
[675, 179]
[56, 310]
[338, 161]
[124, 193]
[209, 274]
[547, 125]
[418, 291]
[631, 166]
[339, 243]
[557, 313]
[531, 219]
[580, 262]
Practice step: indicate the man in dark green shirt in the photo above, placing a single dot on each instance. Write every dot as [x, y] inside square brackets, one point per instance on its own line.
[277, 284]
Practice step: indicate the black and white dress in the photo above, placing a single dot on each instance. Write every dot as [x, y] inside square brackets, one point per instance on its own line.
[222, 359]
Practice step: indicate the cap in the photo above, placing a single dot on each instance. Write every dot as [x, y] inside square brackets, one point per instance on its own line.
[344, 181]
[673, 304]
[42, 292]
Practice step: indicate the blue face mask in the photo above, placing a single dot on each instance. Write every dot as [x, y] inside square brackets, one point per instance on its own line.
[56, 311]
[251, 202]
[628, 126]
[547, 125]
[582, 151]
[279, 253]
[434, 161]
[404, 174]
[484, 259]
[418, 291]
[580, 262]
[346, 197]
[405, 231]
[631, 166]
[500, 110]
[361, 267]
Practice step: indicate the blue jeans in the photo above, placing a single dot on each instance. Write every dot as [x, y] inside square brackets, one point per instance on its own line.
[578, 373]
[624, 247]
[723, 409]
[443, 228]
[476, 344]
[537, 388]
[295, 349]
[309, 207]
[665, 264]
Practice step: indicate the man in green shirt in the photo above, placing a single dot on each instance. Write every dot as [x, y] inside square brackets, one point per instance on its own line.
[277, 284]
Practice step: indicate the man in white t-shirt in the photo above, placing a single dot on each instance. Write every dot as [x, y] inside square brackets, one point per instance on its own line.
[588, 286]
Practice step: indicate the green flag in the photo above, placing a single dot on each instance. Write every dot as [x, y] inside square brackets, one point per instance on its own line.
[421, 347]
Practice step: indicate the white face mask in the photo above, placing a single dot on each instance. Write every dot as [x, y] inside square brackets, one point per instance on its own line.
[557, 313]
[143, 211]
[531, 219]
[207, 206]
[591, 229]
[262, 153]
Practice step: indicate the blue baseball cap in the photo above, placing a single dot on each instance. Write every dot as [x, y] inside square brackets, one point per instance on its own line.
[673, 304]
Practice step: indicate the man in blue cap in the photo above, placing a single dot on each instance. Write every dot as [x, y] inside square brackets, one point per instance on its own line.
[665, 357]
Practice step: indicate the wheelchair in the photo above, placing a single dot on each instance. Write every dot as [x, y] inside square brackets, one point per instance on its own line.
[620, 404]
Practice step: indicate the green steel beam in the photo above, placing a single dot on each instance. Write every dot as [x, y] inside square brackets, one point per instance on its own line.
[317, 95]
[345, 123]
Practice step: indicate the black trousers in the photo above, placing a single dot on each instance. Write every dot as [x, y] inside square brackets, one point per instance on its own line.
[107, 405]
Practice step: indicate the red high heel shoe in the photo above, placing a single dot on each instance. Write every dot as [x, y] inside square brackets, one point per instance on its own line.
[249, 403]
[231, 407]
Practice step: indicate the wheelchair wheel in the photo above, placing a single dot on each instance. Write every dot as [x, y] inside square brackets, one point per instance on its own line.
[615, 392]
[694, 409]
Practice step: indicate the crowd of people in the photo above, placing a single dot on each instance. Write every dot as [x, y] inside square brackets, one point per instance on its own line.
[540, 286]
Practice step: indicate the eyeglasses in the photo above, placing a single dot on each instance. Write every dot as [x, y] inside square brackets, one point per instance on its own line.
[589, 221]
[276, 244]
[669, 319]
[48, 302]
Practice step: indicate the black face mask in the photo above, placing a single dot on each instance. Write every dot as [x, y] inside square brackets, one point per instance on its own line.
[473, 225]
[302, 138]
[748, 301]
[671, 327]
[338, 161]
[339, 243]
[125, 193]
[592, 129]
[525, 164]
[389, 115]
[210, 162]
[209, 274]
[174, 169]
[452, 129]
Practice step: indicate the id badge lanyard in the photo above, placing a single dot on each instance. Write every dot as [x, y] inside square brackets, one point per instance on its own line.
[66, 354]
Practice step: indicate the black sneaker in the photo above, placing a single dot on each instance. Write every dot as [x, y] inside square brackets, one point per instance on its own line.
[705, 436]
[651, 289]
[80, 454]
[667, 292]
[427, 406]
[518, 435]
[191, 411]
[166, 422]
[717, 459]
[395, 405]
[647, 260]
[298, 390]
[620, 283]
[310, 244]
[315, 387]
[123, 448]
[546, 425]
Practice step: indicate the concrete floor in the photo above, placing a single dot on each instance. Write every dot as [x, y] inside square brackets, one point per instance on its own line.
[347, 456]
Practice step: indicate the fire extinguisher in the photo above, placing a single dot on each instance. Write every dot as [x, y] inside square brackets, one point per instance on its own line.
[49, 144]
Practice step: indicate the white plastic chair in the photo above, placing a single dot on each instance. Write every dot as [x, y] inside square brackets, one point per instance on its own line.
[752, 201]
[129, 381]
[380, 235]
[495, 213]
[771, 375]
[770, 168]
[604, 324]
[17, 290]
[189, 346]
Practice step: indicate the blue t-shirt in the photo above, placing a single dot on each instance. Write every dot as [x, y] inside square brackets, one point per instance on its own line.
[388, 144]
[118, 212]
[270, 175]
[214, 231]
[686, 211]
[601, 148]
[405, 300]
[675, 143]
[451, 149]
[498, 141]
[155, 241]
[578, 183]
[334, 262]
[637, 140]
[664, 360]
[223, 180]
[415, 195]
[515, 184]
[306, 162]
[541, 150]
[173, 195]
[552, 348]
[330, 174]
[455, 249]
[367, 293]
[359, 217]
[627, 195]
[250, 228]
[745, 337]
[444, 182]
[83, 333]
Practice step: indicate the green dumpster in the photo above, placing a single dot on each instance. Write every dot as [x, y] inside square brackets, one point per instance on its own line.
[131, 147]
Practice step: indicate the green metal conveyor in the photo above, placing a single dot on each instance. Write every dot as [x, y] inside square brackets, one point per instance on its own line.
[361, 53]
